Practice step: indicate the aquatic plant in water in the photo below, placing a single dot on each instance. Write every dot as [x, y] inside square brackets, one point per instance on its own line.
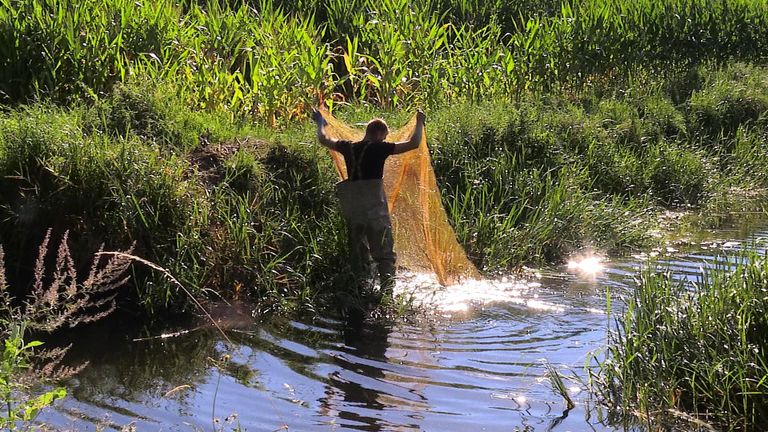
[693, 351]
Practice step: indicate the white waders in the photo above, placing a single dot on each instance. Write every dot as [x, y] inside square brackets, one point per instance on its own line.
[364, 206]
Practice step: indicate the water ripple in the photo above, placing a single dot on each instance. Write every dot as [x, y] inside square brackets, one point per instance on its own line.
[477, 362]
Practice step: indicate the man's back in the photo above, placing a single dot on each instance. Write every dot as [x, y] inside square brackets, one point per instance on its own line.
[365, 159]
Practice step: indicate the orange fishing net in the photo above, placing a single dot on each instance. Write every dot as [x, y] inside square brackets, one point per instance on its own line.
[424, 240]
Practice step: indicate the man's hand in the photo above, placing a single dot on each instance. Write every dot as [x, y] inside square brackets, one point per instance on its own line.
[415, 140]
[420, 116]
[318, 117]
[321, 136]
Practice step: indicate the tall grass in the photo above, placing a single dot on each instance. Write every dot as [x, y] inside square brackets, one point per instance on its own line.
[271, 59]
[694, 351]
[542, 211]
[244, 210]
[222, 210]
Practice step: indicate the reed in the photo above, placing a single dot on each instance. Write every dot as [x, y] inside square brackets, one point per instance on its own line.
[693, 351]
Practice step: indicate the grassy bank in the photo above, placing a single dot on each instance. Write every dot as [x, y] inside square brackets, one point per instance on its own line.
[199, 195]
[240, 209]
[694, 353]
[180, 125]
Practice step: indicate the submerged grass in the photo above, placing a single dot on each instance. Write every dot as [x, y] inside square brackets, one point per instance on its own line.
[694, 351]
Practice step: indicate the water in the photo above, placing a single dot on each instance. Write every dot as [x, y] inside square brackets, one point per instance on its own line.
[474, 361]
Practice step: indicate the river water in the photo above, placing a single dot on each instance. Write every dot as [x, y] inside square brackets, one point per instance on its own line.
[475, 359]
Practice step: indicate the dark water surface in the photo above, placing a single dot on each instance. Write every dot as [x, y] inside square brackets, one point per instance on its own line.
[475, 361]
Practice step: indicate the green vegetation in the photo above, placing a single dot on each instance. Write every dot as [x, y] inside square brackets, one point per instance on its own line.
[60, 298]
[238, 211]
[243, 209]
[20, 410]
[697, 349]
[178, 127]
[271, 59]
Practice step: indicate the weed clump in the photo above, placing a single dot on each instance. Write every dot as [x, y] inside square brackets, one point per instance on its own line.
[60, 298]
[678, 176]
[698, 349]
[730, 99]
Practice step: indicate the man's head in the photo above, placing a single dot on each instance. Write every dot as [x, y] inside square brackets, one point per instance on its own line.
[377, 130]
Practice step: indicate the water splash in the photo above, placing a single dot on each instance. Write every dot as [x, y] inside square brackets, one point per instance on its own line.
[426, 292]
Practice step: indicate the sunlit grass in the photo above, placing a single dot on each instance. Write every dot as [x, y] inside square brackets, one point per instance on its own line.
[273, 59]
[693, 351]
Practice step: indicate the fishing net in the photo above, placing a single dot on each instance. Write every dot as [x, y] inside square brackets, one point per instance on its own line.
[424, 240]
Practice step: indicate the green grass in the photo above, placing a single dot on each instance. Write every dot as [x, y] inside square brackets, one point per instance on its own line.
[261, 217]
[243, 209]
[272, 59]
[544, 210]
[693, 351]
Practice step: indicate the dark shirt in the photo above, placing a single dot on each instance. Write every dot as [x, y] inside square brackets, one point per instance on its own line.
[365, 159]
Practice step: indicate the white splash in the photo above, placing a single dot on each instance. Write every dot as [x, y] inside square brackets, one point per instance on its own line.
[426, 292]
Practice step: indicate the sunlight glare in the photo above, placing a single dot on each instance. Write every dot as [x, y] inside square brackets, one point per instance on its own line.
[588, 265]
[424, 290]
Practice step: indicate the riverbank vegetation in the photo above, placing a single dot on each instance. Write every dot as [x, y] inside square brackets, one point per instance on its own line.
[181, 128]
[60, 298]
[694, 353]
[249, 210]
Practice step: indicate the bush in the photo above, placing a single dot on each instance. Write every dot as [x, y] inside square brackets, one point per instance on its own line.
[731, 98]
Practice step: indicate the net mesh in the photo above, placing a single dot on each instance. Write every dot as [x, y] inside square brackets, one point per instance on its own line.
[424, 240]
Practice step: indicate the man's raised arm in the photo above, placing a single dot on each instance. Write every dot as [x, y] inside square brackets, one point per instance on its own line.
[321, 135]
[418, 132]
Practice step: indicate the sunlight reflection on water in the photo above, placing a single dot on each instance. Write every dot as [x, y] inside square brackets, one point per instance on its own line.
[426, 292]
[587, 265]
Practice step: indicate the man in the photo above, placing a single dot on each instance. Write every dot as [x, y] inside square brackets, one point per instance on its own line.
[362, 198]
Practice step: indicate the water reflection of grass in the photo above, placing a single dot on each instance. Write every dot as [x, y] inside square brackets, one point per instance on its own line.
[694, 352]
[133, 371]
[157, 370]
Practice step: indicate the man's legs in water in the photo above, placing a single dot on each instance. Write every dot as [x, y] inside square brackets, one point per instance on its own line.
[359, 250]
[365, 210]
[382, 246]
